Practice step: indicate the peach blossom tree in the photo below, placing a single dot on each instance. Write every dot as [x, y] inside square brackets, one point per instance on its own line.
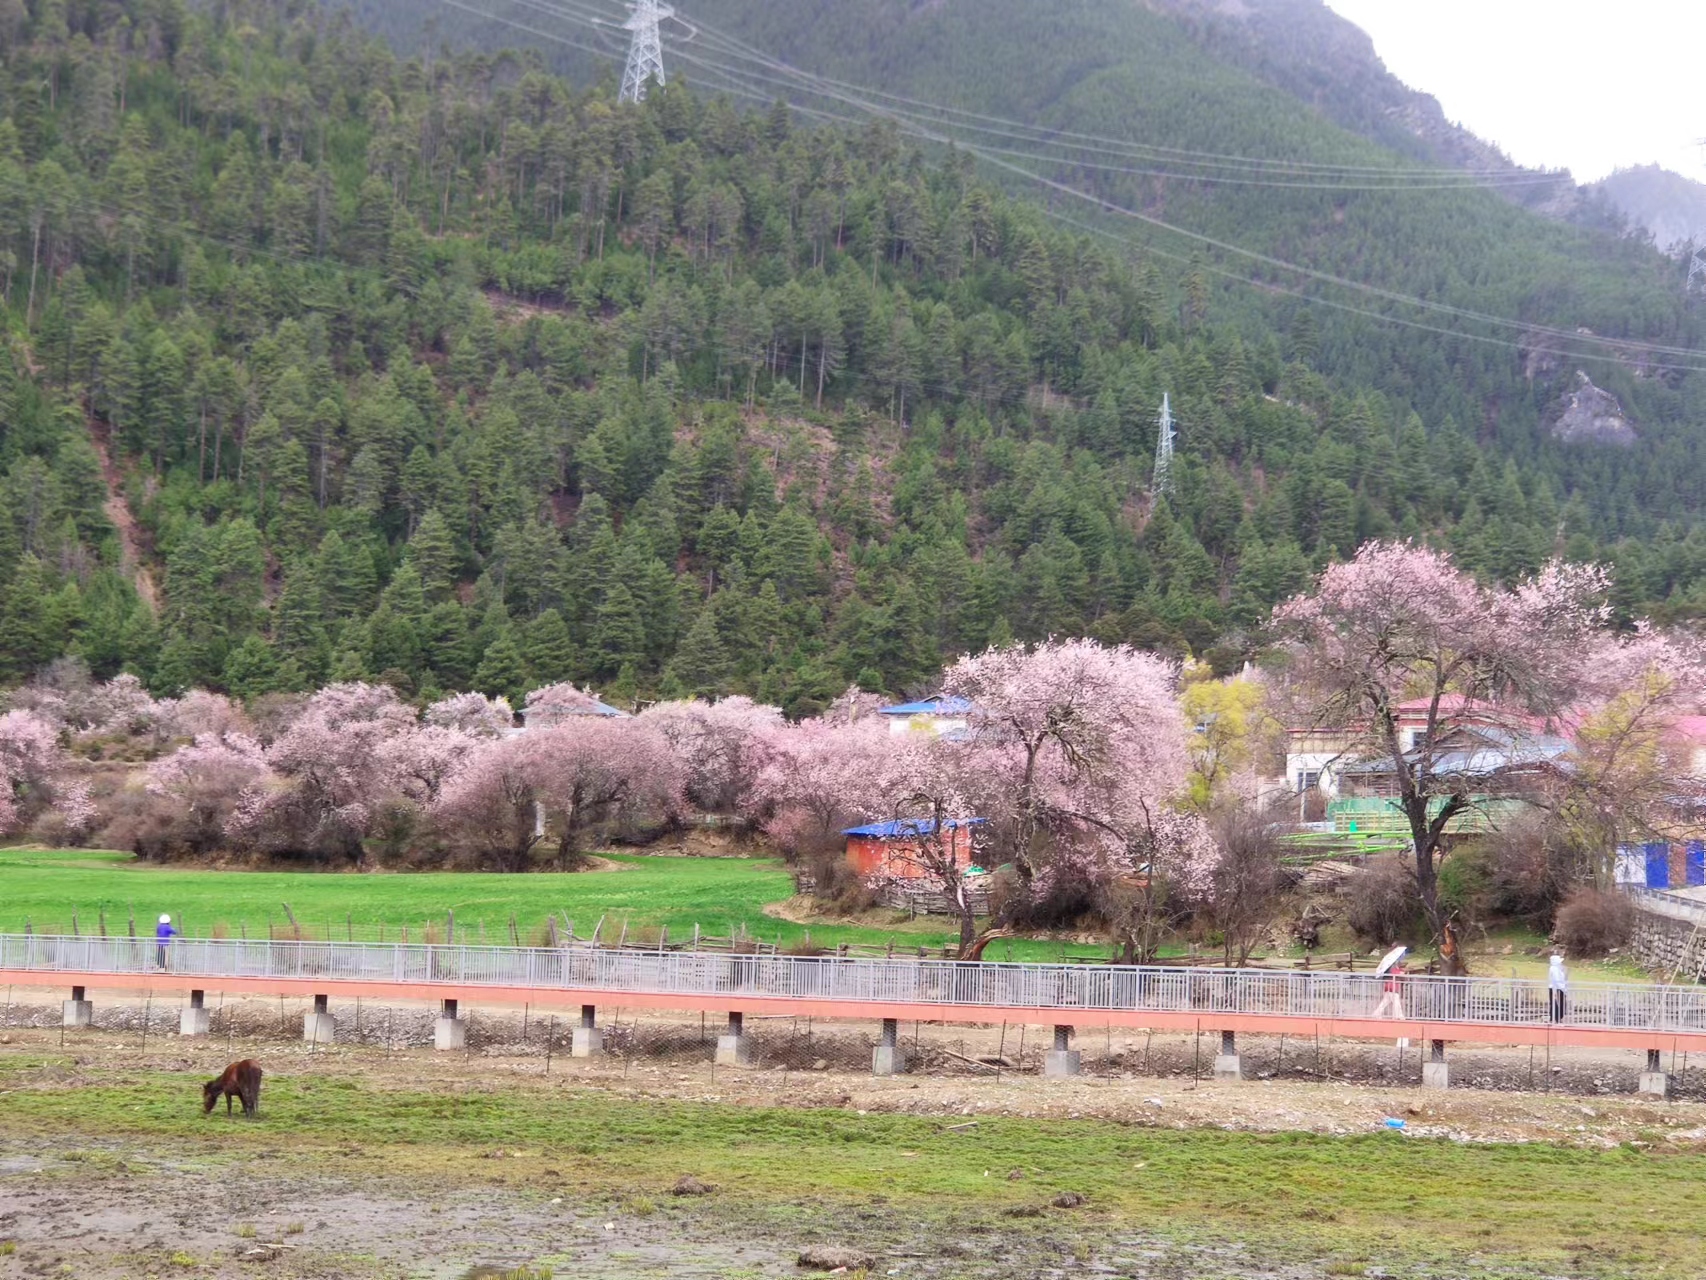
[1401, 625]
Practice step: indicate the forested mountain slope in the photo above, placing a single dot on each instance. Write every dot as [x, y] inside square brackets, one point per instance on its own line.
[1285, 80]
[451, 373]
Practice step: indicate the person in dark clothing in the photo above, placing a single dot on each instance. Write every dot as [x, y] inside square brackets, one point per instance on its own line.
[163, 933]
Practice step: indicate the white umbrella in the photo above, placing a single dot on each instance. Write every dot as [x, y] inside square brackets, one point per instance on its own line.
[1391, 958]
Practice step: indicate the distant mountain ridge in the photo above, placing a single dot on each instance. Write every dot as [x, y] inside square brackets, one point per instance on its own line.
[1314, 54]
[1670, 206]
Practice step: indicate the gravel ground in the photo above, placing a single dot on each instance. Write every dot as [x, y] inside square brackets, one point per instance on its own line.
[138, 1209]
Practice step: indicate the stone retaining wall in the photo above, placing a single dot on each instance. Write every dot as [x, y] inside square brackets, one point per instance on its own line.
[1665, 945]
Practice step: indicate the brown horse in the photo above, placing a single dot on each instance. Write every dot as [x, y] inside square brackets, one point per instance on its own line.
[240, 1080]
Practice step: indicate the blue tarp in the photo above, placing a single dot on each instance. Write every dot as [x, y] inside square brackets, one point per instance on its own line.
[1658, 864]
[902, 828]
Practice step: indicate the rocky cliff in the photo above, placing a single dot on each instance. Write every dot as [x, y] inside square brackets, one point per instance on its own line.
[1588, 415]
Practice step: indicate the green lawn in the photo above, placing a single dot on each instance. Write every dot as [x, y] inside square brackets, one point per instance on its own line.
[1460, 1208]
[43, 887]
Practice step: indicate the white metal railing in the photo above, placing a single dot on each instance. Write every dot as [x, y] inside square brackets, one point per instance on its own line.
[1043, 987]
[1664, 902]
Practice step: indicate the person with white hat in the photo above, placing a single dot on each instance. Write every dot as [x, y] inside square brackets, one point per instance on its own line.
[163, 933]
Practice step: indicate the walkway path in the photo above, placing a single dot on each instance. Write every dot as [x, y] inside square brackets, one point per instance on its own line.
[1651, 1017]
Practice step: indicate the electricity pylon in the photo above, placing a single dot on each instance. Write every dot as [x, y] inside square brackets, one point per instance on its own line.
[645, 51]
[1696, 271]
[1163, 447]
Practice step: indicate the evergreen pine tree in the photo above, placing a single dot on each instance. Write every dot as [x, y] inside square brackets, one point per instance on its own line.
[503, 671]
[548, 649]
[701, 664]
[251, 669]
[619, 635]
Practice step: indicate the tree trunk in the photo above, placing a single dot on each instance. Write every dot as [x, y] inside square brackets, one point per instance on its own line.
[1425, 837]
[968, 922]
[35, 257]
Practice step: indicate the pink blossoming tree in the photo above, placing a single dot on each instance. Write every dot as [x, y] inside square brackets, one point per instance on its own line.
[1092, 752]
[334, 769]
[473, 713]
[490, 805]
[596, 771]
[1636, 731]
[1401, 624]
[721, 745]
[817, 776]
[203, 785]
[35, 774]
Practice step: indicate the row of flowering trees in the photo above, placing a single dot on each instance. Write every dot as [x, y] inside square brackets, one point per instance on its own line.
[1091, 785]
[1074, 759]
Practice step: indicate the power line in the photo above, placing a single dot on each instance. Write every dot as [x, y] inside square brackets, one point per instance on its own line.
[734, 77]
[733, 46]
[1624, 345]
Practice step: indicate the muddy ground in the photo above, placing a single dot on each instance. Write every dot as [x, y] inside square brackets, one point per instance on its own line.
[122, 1211]
[105, 1207]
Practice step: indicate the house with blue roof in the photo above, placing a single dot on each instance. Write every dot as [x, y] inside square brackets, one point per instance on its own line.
[940, 715]
[895, 850]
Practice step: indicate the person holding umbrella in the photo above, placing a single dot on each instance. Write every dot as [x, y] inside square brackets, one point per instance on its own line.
[163, 933]
[1391, 969]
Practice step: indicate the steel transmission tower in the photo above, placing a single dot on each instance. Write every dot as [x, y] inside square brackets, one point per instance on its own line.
[1696, 271]
[645, 51]
[1163, 447]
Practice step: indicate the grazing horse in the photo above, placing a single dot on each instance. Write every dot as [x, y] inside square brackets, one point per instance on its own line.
[240, 1080]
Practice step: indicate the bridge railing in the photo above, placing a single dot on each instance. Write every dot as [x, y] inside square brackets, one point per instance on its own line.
[1041, 987]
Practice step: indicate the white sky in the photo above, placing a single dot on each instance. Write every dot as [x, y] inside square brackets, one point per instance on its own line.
[1593, 85]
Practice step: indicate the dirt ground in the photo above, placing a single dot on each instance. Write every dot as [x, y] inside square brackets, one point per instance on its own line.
[134, 1208]
[1498, 1094]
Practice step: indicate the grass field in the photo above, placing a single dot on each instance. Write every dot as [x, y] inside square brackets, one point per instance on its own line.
[43, 887]
[1354, 1202]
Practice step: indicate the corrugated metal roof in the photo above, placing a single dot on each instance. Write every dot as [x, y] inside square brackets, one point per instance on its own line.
[937, 706]
[902, 828]
[1499, 750]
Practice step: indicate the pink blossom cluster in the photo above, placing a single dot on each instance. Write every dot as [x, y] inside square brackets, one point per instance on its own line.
[36, 773]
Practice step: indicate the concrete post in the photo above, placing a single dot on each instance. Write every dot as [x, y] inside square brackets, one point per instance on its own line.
[1226, 1064]
[1061, 1062]
[195, 1020]
[1654, 1081]
[733, 1048]
[78, 1012]
[588, 1040]
[319, 1026]
[1436, 1073]
[449, 1032]
[888, 1058]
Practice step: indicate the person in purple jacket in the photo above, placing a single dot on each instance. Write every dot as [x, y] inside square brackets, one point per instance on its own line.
[163, 933]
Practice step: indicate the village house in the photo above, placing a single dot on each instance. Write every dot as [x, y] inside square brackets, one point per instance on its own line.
[1338, 774]
[1678, 864]
[558, 711]
[940, 715]
[1318, 758]
[894, 850]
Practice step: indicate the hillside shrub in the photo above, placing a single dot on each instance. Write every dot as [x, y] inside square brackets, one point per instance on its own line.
[1593, 922]
[1381, 903]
